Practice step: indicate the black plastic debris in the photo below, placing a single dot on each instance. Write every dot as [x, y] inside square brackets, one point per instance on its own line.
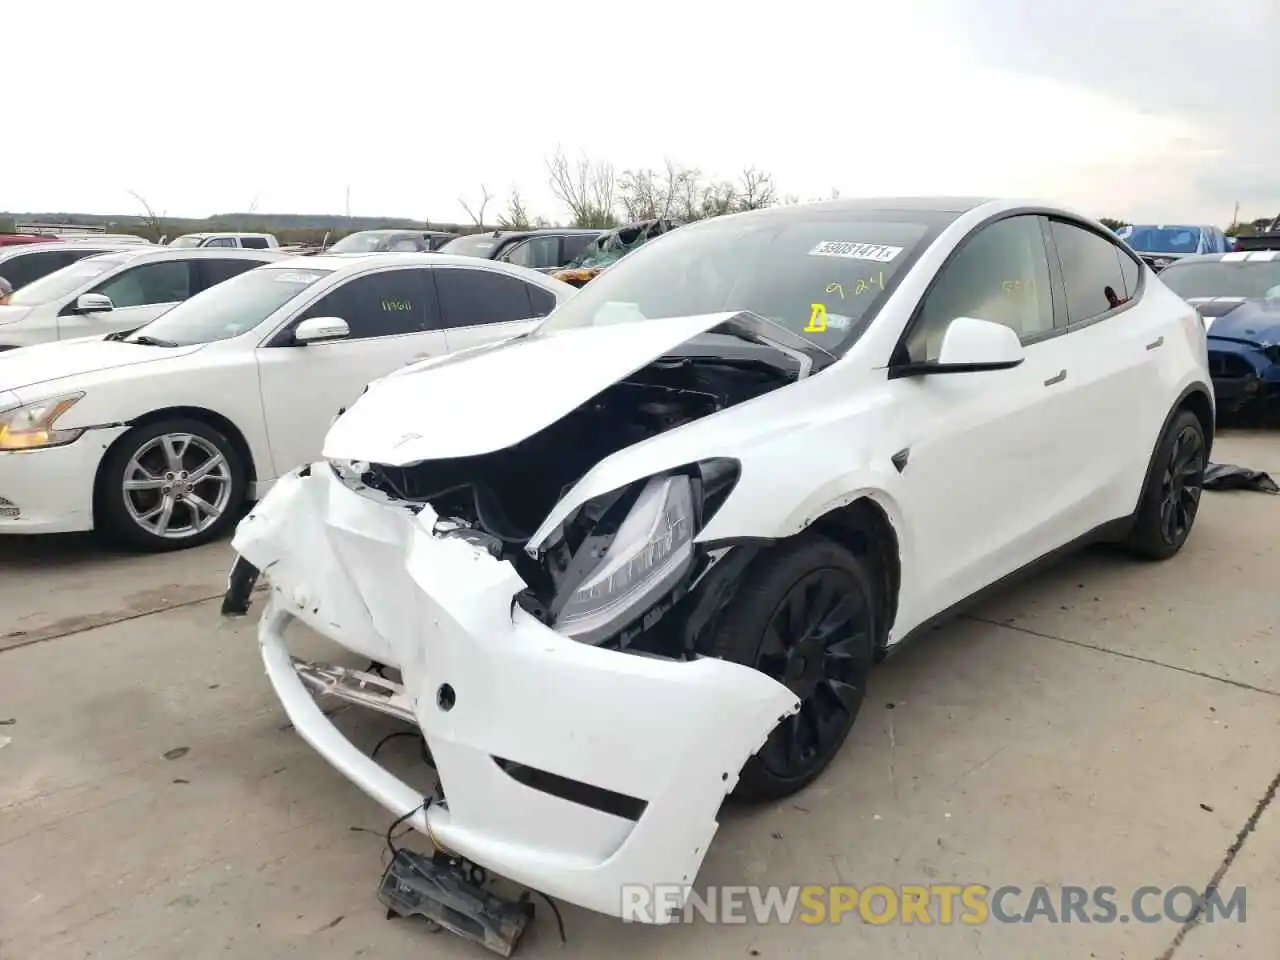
[444, 893]
[240, 583]
[1226, 476]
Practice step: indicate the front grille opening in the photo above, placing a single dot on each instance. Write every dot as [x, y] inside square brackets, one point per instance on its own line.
[574, 791]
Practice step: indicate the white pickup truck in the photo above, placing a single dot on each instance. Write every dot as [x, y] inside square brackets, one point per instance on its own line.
[242, 241]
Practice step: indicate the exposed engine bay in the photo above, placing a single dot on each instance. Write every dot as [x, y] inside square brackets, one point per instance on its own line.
[497, 500]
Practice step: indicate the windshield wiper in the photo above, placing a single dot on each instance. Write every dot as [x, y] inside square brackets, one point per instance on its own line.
[120, 334]
[146, 341]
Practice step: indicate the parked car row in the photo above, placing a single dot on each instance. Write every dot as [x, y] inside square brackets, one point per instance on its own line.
[191, 378]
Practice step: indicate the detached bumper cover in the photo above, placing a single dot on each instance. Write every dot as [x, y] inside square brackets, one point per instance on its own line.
[490, 686]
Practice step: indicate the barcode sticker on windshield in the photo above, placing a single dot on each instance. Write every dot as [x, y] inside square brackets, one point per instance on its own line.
[875, 252]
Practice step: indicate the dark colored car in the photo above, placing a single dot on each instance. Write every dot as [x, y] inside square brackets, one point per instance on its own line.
[610, 247]
[392, 241]
[1238, 295]
[1268, 239]
[1162, 244]
[549, 249]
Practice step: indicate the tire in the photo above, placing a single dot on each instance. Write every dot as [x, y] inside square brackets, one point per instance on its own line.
[1171, 498]
[197, 514]
[804, 578]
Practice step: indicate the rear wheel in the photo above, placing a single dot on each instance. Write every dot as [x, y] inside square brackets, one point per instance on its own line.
[1171, 499]
[170, 485]
[805, 615]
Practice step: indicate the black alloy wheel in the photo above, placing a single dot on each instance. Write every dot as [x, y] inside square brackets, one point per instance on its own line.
[806, 615]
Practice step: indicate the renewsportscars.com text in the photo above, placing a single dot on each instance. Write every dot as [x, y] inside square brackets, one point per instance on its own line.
[937, 903]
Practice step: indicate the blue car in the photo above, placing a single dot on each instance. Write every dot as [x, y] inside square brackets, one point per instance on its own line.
[1238, 296]
[1163, 244]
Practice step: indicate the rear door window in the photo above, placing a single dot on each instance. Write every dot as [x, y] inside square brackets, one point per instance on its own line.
[470, 298]
[1091, 272]
[210, 273]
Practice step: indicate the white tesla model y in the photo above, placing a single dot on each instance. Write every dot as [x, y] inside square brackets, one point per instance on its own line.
[654, 546]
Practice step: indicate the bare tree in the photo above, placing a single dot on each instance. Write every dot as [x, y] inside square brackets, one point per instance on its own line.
[477, 215]
[756, 190]
[154, 224]
[517, 215]
[648, 194]
[587, 189]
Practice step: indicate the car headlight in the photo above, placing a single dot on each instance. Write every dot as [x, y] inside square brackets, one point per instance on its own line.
[650, 551]
[33, 425]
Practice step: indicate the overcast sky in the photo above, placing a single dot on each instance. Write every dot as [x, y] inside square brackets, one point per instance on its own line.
[1165, 110]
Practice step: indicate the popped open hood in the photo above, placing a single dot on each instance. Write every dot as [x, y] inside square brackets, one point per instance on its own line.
[494, 396]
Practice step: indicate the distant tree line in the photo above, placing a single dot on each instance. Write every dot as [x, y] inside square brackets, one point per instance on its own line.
[591, 192]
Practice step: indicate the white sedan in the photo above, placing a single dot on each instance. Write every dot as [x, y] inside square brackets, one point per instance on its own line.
[116, 291]
[775, 444]
[160, 435]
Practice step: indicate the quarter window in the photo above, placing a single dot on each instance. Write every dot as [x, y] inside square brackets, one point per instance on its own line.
[470, 298]
[213, 272]
[384, 304]
[168, 281]
[1092, 274]
[1001, 274]
[221, 242]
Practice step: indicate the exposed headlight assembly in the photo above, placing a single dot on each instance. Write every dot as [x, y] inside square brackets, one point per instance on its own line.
[638, 551]
[33, 425]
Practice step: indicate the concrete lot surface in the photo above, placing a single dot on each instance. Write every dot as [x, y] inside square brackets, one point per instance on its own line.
[1104, 723]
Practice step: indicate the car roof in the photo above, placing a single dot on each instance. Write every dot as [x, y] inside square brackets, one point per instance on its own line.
[357, 262]
[127, 252]
[1240, 256]
[106, 245]
[538, 232]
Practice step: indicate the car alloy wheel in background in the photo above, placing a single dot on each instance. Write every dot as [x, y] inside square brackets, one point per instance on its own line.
[177, 485]
[171, 485]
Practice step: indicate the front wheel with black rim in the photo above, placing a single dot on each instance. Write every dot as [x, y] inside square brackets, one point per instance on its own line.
[170, 485]
[806, 615]
[1171, 498]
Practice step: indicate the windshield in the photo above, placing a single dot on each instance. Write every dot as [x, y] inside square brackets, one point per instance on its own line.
[1254, 279]
[476, 245]
[66, 281]
[820, 273]
[190, 240]
[1163, 239]
[231, 308]
[360, 243]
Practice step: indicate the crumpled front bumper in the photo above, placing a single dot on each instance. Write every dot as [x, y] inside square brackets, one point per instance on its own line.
[490, 686]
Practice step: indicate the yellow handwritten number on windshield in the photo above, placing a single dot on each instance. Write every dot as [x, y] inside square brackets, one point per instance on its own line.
[817, 319]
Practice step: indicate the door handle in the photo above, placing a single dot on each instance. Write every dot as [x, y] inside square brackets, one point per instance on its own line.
[1157, 342]
[1058, 379]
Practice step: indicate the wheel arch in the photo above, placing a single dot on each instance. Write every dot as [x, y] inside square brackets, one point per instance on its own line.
[201, 414]
[864, 527]
[1196, 398]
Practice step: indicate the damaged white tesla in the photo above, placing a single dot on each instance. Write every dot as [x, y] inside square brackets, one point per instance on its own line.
[647, 554]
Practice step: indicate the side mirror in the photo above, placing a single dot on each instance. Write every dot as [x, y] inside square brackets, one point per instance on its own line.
[320, 329]
[970, 346]
[94, 303]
